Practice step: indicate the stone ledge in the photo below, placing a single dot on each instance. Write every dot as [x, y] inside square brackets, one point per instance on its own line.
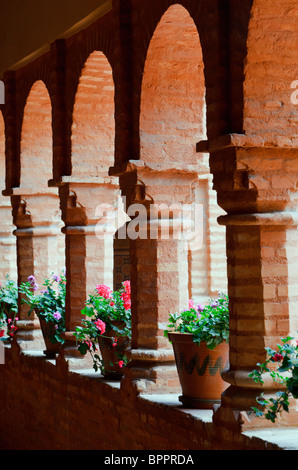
[285, 438]
[172, 400]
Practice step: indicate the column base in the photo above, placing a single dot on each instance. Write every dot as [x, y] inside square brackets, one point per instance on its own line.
[236, 417]
[198, 403]
[70, 354]
[29, 335]
[235, 413]
[152, 372]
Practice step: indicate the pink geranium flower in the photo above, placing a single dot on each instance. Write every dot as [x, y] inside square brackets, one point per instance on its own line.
[101, 326]
[104, 291]
[57, 315]
[126, 285]
[126, 300]
[125, 296]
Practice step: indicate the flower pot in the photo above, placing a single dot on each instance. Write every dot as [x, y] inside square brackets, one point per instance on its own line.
[111, 355]
[48, 332]
[199, 370]
[5, 338]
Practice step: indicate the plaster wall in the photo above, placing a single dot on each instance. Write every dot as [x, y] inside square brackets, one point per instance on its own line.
[28, 28]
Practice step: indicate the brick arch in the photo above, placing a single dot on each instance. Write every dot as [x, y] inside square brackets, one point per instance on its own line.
[270, 68]
[36, 139]
[173, 108]
[207, 16]
[172, 120]
[8, 264]
[2, 154]
[93, 126]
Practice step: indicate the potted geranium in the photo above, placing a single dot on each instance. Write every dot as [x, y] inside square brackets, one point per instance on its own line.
[199, 336]
[282, 367]
[8, 308]
[107, 326]
[2, 328]
[49, 306]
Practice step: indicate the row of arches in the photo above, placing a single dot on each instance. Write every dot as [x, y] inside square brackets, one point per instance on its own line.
[177, 33]
[172, 120]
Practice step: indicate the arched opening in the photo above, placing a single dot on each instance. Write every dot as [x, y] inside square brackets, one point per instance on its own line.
[172, 121]
[93, 138]
[36, 140]
[42, 202]
[173, 117]
[8, 265]
[2, 154]
[93, 128]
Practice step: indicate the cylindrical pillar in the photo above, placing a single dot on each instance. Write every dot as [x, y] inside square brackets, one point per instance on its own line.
[262, 258]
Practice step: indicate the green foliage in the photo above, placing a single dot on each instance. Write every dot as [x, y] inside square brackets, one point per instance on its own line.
[102, 309]
[209, 324]
[285, 360]
[49, 303]
[8, 307]
[8, 299]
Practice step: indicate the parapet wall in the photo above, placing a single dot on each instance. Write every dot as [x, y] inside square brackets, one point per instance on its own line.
[47, 407]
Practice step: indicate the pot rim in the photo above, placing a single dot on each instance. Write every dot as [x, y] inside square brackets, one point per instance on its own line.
[188, 338]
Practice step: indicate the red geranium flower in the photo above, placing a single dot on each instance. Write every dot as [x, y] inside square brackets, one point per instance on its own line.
[277, 357]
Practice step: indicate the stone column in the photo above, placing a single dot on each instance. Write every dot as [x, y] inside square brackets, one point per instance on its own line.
[87, 211]
[37, 219]
[256, 186]
[159, 271]
[263, 290]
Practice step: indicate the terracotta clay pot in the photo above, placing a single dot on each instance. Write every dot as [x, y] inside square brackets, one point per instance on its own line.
[110, 354]
[199, 370]
[48, 332]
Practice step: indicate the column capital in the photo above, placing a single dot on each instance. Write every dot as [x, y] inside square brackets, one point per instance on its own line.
[75, 181]
[30, 209]
[252, 174]
[28, 193]
[80, 198]
[155, 183]
[155, 169]
[41, 231]
[286, 218]
[251, 141]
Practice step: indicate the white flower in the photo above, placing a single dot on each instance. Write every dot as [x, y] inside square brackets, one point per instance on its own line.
[294, 360]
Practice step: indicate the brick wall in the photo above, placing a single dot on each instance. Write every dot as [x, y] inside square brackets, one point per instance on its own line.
[45, 407]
